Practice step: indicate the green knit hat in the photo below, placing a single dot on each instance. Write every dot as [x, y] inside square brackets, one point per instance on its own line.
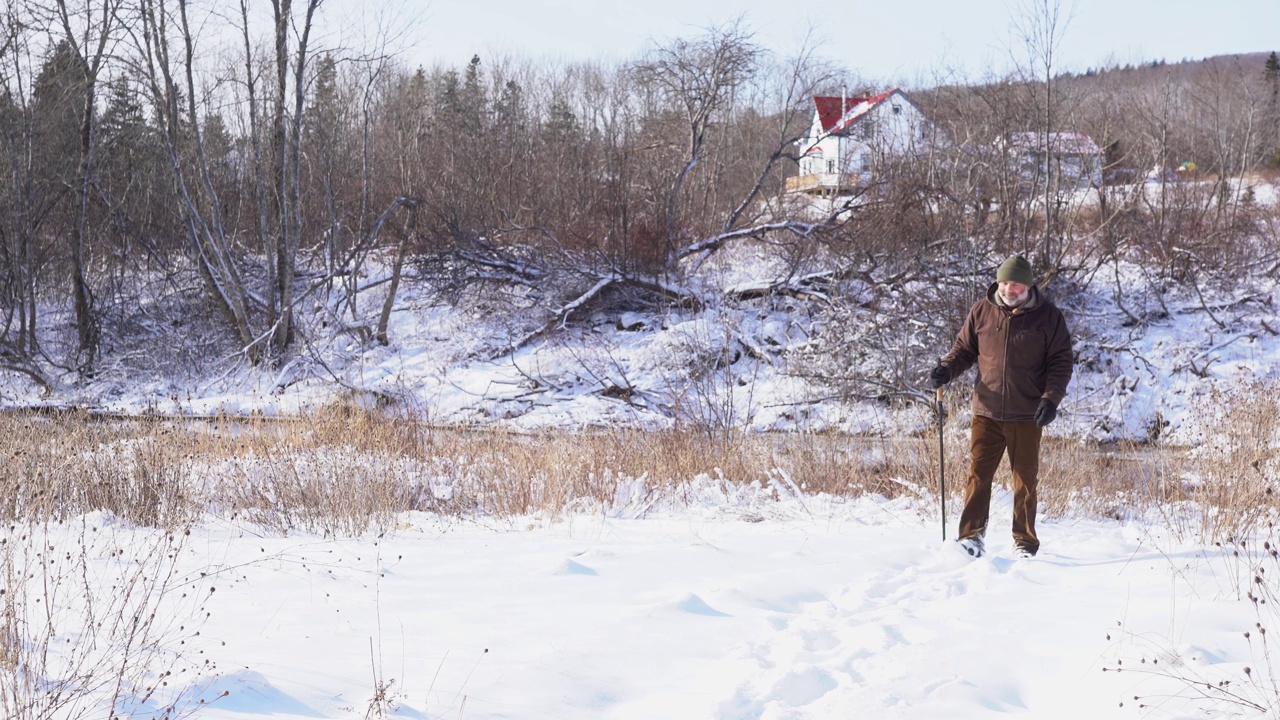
[1016, 269]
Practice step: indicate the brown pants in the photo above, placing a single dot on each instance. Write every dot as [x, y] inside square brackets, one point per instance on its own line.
[988, 441]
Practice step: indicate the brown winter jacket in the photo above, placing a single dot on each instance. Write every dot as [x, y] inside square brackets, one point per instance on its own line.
[1023, 355]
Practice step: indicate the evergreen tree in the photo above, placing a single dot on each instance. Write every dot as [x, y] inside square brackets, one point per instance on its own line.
[509, 110]
[40, 139]
[57, 102]
[130, 170]
[322, 116]
[472, 91]
[322, 132]
[219, 148]
[123, 119]
[460, 104]
[11, 269]
[1271, 73]
[409, 121]
[561, 125]
[461, 132]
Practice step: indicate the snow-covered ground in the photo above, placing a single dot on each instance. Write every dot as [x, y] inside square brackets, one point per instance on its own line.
[826, 608]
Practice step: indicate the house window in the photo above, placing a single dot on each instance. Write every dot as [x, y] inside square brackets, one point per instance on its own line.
[813, 162]
[897, 109]
[831, 166]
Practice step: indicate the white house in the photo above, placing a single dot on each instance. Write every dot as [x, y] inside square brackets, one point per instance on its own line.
[851, 136]
[1075, 158]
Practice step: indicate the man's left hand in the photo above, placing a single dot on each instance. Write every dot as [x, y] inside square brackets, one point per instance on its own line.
[1046, 413]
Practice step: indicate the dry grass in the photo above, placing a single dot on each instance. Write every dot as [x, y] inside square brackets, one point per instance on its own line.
[345, 472]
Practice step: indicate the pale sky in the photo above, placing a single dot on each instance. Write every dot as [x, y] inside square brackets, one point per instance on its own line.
[902, 41]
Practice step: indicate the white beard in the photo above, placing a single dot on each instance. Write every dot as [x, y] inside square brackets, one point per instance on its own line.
[1015, 302]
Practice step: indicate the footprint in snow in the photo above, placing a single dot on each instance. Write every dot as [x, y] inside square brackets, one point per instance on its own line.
[695, 605]
[801, 687]
[247, 691]
[818, 640]
[794, 603]
[569, 567]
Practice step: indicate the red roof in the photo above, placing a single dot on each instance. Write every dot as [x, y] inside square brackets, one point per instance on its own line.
[830, 113]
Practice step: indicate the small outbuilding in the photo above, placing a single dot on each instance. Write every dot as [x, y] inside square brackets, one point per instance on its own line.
[1074, 158]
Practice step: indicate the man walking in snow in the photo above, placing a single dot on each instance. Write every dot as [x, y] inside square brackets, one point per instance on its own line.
[1020, 343]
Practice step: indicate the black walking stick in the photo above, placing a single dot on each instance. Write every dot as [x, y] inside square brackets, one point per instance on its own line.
[942, 472]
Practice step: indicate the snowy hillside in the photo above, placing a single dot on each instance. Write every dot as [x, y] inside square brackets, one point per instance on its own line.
[746, 364]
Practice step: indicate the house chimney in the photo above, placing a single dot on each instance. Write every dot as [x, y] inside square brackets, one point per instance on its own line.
[843, 101]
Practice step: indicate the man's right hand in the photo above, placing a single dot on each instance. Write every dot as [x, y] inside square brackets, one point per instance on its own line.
[1046, 412]
[939, 376]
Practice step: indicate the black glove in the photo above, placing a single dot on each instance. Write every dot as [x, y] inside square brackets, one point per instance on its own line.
[1046, 413]
[939, 376]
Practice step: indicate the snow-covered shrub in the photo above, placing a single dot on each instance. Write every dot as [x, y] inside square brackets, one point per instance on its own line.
[1227, 487]
[1182, 677]
[99, 621]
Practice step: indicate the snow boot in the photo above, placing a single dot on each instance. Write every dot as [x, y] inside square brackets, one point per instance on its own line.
[972, 545]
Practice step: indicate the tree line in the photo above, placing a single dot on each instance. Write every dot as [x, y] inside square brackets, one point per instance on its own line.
[143, 159]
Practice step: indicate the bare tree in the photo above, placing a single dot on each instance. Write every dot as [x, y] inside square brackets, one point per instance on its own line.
[88, 30]
[25, 201]
[287, 154]
[261, 185]
[174, 98]
[1041, 26]
[698, 78]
